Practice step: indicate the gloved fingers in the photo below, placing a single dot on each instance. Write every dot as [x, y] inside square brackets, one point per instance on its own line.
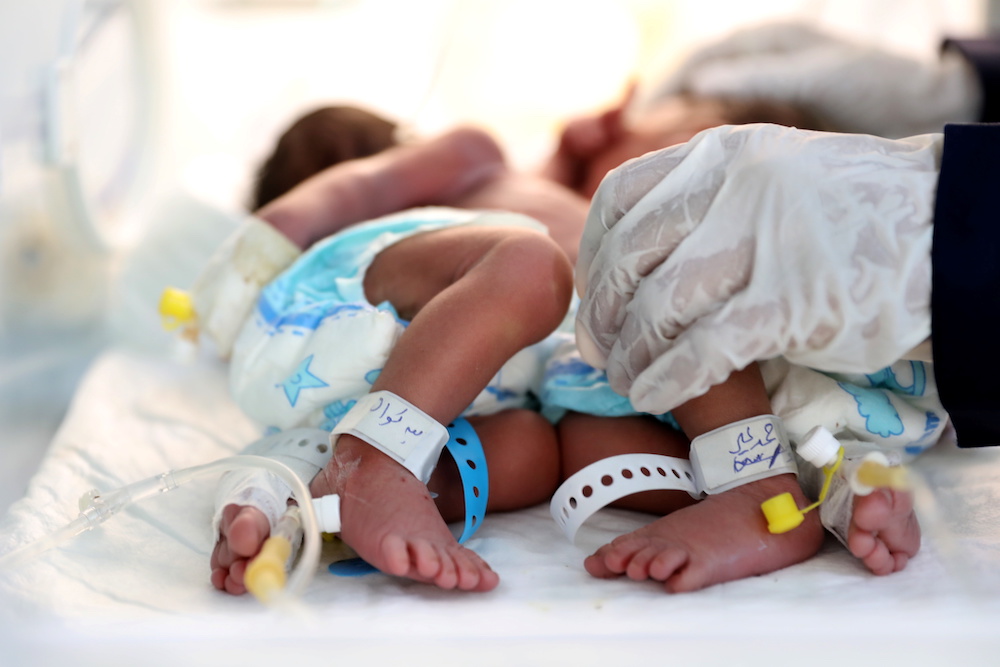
[636, 219]
[708, 241]
[604, 304]
[629, 251]
[697, 279]
[696, 306]
[668, 187]
[645, 210]
[690, 241]
[658, 375]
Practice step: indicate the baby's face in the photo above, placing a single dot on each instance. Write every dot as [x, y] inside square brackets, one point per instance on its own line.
[673, 121]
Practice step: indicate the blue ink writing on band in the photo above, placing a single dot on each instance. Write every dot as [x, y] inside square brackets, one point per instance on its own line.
[747, 441]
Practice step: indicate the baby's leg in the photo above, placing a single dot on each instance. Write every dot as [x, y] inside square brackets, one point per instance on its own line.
[476, 296]
[523, 466]
[696, 544]
[723, 537]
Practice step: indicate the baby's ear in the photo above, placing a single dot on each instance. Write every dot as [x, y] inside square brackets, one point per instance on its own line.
[613, 119]
[631, 91]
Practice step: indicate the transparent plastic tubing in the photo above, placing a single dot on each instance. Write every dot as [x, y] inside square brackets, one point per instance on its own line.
[103, 506]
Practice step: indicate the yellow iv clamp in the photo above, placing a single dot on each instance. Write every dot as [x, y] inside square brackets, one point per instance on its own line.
[176, 309]
[822, 450]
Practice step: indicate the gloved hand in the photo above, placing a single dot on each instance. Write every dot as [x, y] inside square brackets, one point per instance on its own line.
[854, 86]
[755, 241]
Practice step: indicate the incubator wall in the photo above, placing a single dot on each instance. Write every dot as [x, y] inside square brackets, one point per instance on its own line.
[129, 131]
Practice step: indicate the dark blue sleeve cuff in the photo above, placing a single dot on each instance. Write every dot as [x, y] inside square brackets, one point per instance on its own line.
[965, 283]
[984, 55]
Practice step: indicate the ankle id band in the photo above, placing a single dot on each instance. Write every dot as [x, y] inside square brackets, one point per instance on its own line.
[741, 452]
[398, 429]
[465, 447]
[227, 289]
[467, 450]
[605, 481]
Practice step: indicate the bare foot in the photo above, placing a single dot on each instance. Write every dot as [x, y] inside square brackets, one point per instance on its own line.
[884, 533]
[722, 538]
[241, 534]
[389, 518]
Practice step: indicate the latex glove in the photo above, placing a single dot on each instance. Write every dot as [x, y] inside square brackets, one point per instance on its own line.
[856, 87]
[755, 241]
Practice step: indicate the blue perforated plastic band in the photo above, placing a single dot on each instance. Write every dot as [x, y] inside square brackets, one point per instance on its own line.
[467, 450]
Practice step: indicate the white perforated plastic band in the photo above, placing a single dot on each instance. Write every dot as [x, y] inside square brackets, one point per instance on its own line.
[608, 480]
[398, 429]
[742, 452]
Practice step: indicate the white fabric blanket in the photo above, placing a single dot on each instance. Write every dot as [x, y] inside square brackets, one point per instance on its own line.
[136, 589]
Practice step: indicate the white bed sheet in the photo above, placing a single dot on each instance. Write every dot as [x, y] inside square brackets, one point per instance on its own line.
[136, 589]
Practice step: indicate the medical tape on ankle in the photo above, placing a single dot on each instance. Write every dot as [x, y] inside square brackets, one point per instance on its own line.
[398, 429]
[742, 452]
[602, 483]
[305, 450]
[227, 289]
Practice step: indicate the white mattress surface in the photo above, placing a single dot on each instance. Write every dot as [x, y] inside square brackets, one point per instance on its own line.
[138, 584]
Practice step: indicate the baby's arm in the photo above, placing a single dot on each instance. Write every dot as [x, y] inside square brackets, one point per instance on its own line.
[435, 172]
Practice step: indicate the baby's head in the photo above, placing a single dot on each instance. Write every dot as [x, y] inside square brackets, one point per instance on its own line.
[318, 140]
[674, 120]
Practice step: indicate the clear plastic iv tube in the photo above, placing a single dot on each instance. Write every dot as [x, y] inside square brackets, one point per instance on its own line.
[96, 508]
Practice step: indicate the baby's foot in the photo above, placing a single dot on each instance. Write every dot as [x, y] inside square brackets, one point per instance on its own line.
[389, 518]
[722, 538]
[242, 533]
[884, 533]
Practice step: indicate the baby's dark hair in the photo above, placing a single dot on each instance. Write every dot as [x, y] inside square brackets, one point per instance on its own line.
[317, 140]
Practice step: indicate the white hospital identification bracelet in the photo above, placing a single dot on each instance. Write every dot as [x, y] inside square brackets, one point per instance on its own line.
[741, 452]
[607, 480]
[398, 429]
[725, 458]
